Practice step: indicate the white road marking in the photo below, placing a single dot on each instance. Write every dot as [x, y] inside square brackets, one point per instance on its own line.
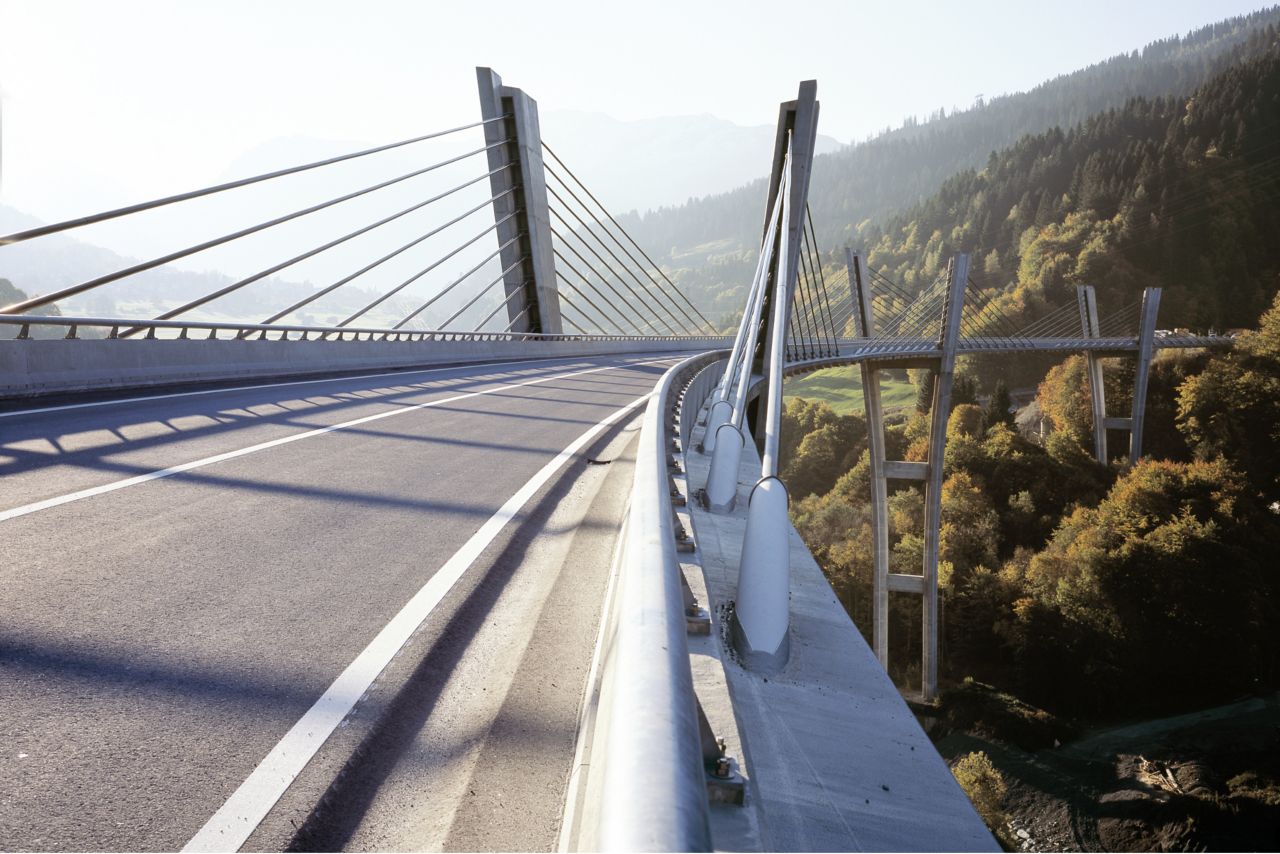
[125, 400]
[231, 826]
[58, 501]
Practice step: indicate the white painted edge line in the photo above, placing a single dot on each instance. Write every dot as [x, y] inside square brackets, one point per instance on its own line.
[236, 820]
[587, 710]
[58, 501]
[121, 401]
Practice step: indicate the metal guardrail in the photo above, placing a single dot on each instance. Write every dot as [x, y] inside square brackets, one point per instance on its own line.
[259, 331]
[653, 795]
[695, 395]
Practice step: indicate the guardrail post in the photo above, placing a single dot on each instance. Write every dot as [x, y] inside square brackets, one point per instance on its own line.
[523, 186]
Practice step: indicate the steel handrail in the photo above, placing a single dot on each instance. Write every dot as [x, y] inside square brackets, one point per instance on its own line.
[385, 333]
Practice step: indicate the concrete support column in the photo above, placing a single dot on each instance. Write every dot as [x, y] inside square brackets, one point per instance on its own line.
[1097, 391]
[797, 123]
[879, 511]
[948, 340]
[536, 308]
[1145, 347]
[1146, 343]
[861, 291]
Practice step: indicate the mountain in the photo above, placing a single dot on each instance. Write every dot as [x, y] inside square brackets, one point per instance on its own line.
[651, 163]
[1179, 192]
[706, 242]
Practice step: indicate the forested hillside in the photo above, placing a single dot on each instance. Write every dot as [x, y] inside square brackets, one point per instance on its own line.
[1057, 570]
[708, 243]
[1180, 192]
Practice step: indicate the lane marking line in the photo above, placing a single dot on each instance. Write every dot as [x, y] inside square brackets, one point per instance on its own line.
[58, 501]
[126, 400]
[233, 823]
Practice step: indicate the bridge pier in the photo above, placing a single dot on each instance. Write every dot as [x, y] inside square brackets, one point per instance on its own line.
[928, 473]
[1146, 344]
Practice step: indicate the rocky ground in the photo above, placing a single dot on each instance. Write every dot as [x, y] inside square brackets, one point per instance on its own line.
[1206, 781]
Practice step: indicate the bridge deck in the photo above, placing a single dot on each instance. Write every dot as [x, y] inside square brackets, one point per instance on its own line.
[161, 636]
[834, 757]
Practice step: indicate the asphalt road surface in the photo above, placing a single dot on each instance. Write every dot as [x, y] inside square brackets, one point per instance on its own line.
[349, 613]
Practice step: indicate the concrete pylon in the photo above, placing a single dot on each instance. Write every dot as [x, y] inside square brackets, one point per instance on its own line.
[761, 628]
[519, 186]
[797, 127]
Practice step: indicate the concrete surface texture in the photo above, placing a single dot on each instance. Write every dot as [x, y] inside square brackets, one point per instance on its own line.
[35, 367]
[185, 574]
[834, 758]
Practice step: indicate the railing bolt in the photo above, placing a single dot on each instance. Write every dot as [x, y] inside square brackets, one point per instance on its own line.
[722, 765]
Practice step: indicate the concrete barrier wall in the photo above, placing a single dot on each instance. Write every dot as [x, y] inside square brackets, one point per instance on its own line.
[31, 368]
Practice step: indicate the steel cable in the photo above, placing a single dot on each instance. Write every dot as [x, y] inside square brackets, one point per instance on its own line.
[230, 185]
[449, 287]
[644, 308]
[389, 294]
[36, 302]
[643, 289]
[706, 323]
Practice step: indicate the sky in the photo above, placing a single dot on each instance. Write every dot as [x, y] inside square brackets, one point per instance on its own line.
[114, 101]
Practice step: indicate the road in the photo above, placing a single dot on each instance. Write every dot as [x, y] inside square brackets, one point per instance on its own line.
[374, 594]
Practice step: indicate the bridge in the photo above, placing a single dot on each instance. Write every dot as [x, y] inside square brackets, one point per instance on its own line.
[496, 558]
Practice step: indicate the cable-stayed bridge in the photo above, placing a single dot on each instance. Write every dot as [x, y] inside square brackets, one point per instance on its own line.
[479, 543]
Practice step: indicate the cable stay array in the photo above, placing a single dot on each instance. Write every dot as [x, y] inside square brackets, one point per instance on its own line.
[596, 261]
[359, 276]
[914, 321]
[440, 244]
[815, 325]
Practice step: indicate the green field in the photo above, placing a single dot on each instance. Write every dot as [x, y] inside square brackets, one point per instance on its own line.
[842, 389]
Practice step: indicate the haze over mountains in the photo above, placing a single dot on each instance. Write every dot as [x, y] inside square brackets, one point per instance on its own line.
[709, 243]
[668, 160]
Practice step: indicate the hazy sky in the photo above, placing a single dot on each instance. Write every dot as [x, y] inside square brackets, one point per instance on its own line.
[124, 100]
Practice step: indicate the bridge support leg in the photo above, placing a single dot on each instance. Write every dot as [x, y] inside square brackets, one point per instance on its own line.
[1146, 343]
[520, 205]
[879, 511]
[862, 310]
[942, 383]
[929, 473]
[1097, 391]
[1146, 346]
